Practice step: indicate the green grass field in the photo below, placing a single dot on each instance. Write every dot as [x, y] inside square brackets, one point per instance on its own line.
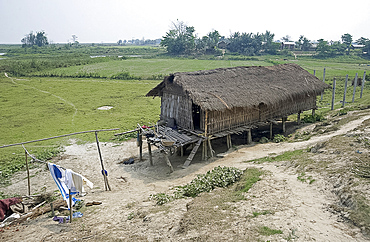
[40, 107]
[149, 68]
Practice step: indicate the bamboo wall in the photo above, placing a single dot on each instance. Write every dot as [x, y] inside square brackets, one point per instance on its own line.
[179, 107]
[219, 121]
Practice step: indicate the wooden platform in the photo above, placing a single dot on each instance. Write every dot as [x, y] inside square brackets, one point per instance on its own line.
[167, 140]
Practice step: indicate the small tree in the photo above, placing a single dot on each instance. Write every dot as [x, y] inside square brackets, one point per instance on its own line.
[180, 39]
[362, 41]
[286, 38]
[304, 43]
[323, 49]
[347, 40]
[32, 39]
[270, 47]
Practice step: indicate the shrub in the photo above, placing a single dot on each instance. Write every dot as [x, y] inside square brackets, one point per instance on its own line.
[264, 140]
[218, 177]
[125, 76]
[280, 138]
[313, 118]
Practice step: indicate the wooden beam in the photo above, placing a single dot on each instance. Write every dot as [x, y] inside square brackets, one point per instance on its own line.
[192, 154]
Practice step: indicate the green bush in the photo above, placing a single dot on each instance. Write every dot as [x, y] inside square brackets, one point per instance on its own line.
[280, 138]
[313, 118]
[125, 76]
[218, 177]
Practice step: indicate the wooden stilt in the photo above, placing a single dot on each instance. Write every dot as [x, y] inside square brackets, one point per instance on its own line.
[271, 134]
[229, 143]
[283, 120]
[182, 151]
[150, 154]
[168, 162]
[249, 138]
[28, 174]
[205, 150]
[299, 118]
[210, 147]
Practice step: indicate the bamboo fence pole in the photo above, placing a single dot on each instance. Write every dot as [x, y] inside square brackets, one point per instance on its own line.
[333, 95]
[363, 84]
[354, 88]
[70, 206]
[28, 174]
[323, 79]
[102, 164]
[345, 91]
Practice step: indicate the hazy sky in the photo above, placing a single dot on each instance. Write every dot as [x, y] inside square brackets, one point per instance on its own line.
[96, 21]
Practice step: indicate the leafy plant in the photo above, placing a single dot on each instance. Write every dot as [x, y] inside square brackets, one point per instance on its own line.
[218, 177]
[313, 118]
[279, 138]
[264, 140]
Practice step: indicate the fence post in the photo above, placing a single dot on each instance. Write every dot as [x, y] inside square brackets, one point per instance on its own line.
[345, 91]
[106, 184]
[28, 175]
[333, 95]
[363, 84]
[354, 88]
[323, 79]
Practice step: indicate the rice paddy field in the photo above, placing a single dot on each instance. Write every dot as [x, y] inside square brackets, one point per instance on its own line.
[46, 102]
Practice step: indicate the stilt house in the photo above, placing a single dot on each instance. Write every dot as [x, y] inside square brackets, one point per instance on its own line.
[219, 101]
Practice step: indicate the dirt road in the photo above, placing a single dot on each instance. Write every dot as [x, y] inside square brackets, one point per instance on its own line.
[299, 210]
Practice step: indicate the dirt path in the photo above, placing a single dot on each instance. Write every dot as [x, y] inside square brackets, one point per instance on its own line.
[300, 209]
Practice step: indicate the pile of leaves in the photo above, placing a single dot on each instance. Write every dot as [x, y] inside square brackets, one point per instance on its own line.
[218, 177]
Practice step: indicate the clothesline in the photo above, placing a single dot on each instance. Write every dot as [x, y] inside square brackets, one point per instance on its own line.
[59, 136]
[38, 160]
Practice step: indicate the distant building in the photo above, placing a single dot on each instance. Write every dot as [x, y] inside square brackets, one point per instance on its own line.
[287, 45]
[222, 44]
[355, 46]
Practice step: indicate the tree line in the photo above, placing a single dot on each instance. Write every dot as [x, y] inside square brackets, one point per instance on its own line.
[181, 40]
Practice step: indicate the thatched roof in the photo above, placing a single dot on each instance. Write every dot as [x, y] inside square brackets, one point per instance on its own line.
[244, 86]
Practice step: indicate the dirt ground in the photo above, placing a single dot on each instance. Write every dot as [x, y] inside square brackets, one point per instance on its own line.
[301, 211]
